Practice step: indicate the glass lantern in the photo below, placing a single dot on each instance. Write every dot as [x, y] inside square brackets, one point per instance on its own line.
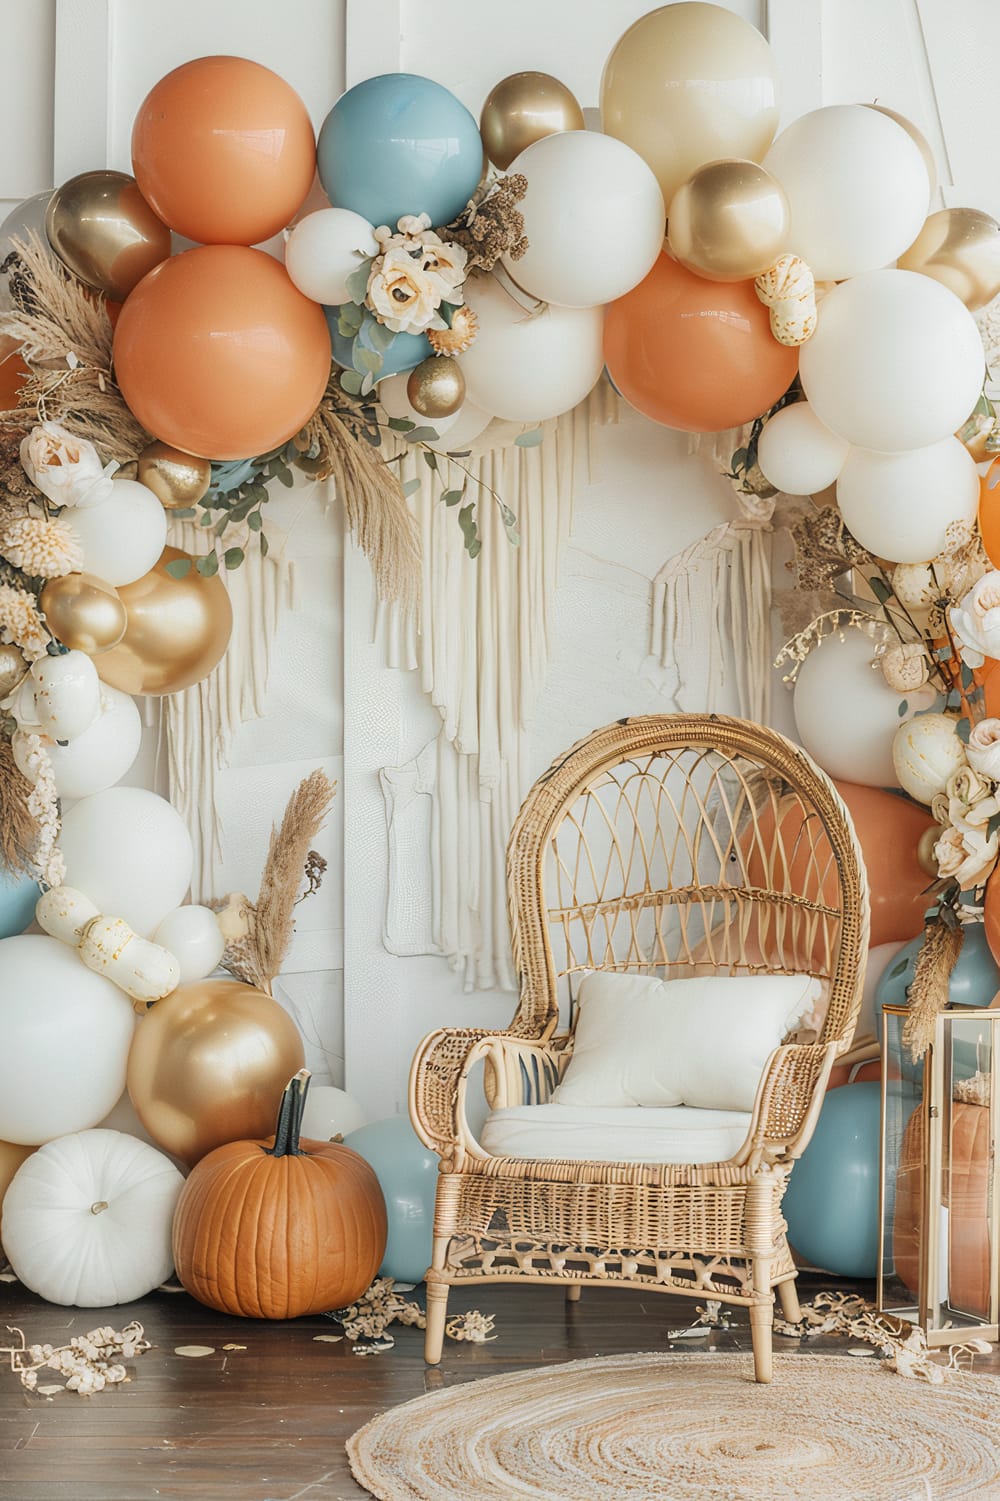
[938, 1198]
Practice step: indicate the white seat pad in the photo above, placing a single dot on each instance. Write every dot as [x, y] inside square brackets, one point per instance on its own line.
[631, 1133]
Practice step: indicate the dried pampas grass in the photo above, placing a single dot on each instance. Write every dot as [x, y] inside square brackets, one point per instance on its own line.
[18, 829]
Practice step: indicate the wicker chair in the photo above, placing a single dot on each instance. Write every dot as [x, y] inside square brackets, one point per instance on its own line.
[670, 845]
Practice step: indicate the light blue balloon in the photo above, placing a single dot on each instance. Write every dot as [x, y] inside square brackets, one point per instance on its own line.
[408, 1174]
[404, 353]
[18, 895]
[400, 144]
[831, 1205]
[974, 981]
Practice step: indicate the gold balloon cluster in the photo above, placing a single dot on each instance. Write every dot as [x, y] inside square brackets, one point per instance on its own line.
[84, 613]
[177, 630]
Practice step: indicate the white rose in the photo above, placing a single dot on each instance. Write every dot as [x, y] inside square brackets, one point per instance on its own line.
[66, 469]
[446, 261]
[976, 620]
[983, 748]
[401, 294]
[966, 857]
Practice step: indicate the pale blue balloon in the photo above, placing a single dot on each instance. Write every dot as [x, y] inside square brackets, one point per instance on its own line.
[18, 895]
[831, 1205]
[400, 144]
[407, 1173]
[405, 352]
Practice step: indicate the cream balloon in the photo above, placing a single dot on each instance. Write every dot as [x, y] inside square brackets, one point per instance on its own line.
[396, 403]
[324, 249]
[797, 453]
[330, 1112]
[594, 218]
[67, 694]
[123, 536]
[528, 366]
[66, 1036]
[926, 753]
[896, 361]
[192, 934]
[105, 751]
[469, 422]
[130, 852]
[900, 505]
[919, 140]
[845, 714]
[856, 185]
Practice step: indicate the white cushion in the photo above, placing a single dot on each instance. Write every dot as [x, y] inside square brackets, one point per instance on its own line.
[704, 1041]
[636, 1134]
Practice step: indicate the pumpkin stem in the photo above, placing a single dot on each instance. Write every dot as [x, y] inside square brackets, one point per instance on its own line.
[291, 1110]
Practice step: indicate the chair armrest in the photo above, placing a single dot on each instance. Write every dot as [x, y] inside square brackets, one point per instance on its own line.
[524, 1073]
[789, 1099]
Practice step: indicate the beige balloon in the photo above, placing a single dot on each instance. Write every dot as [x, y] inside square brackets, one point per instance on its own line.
[522, 108]
[101, 227]
[729, 221]
[919, 140]
[436, 387]
[83, 612]
[176, 478]
[688, 84]
[960, 248]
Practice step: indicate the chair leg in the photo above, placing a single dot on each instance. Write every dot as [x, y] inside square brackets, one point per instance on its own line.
[437, 1313]
[788, 1293]
[762, 1320]
[573, 1292]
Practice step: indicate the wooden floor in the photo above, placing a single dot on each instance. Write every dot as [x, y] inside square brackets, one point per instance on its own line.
[268, 1422]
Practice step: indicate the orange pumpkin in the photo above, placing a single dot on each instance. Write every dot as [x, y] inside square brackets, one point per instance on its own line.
[278, 1228]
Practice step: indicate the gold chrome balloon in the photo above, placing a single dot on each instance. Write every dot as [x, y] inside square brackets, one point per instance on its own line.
[177, 631]
[959, 247]
[176, 478]
[101, 227]
[729, 221]
[925, 850]
[919, 140]
[83, 612]
[208, 1065]
[521, 109]
[436, 387]
[13, 669]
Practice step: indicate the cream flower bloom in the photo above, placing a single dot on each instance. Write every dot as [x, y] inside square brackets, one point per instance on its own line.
[66, 469]
[905, 666]
[446, 261]
[976, 620]
[966, 857]
[42, 548]
[983, 749]
[401, 294]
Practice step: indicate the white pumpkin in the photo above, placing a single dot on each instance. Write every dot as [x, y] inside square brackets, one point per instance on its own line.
[87, 1219]
[926, 753]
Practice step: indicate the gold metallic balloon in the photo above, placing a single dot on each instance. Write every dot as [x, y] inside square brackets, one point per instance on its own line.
[925, 850]
[521, 109]
[177, 631]
[176, 478]
[208, 1065]
[729, 221]
[101, 227]
[83, 612]
[959, 247]
[13, 669]
[919, 140]
[436, 387]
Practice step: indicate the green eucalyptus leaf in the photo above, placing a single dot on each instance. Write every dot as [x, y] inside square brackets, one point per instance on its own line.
[474, 547]
[401, 425]
[234, 557]
[903, 708]
[963, 730]
[255, 521]
[265, 546]
[368, 360]
[178, 568]
[184, 513]
[422, 435]
[411, 486]
[357, 282]
[430, 458]
[530, 440]
[208, 566]
[452, 497]
[379, 336]
[351, 382]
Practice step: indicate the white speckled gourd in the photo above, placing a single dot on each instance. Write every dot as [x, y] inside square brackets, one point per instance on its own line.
[146, 971]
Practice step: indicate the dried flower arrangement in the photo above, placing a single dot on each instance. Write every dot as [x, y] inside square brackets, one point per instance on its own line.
[90, 1362]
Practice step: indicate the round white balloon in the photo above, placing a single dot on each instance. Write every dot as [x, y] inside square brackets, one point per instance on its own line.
[469, 421]
[330, 1112]
[896, 361]
[845, 714]
[594, 218]
[66, 1035]
[527, 366]
[99, 757]
[130, 852]
[856, 185]
[395, 403]
[124, 536]
[324, 248]
[192, 934]
[799, 454]
[67, 694]
[900, 505]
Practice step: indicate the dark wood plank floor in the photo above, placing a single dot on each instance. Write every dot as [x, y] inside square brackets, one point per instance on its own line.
[268, 1422]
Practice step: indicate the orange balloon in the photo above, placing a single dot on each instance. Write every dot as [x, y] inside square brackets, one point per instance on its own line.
[12, 373]
[223, 150]
[218, 353]
[694, 354]
[989, 512]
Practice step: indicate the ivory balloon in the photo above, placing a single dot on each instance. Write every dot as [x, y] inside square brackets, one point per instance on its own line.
[123, 536]
[66, 1034]
[130, 852]
[330, 1112]
[83, 612]
[395, 400]
[436, 388]
[896, 361]
[900, 505]
[208, 1065]
[857, 189]
[919, 140]
[176, 478]
[192, 934]
[101, 756]
[594, 218]
[960, 248]
[101, 227]
[177, 632]
[520, 110]
[463, 429]
[67, 694]
[845, 714]
[324, 249]
[797, 453]
[729, 221]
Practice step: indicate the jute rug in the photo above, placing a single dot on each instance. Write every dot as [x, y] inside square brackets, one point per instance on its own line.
[689, 1428]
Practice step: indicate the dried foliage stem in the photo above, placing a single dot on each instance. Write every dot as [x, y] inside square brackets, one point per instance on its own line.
[18, 829]
[928, 993]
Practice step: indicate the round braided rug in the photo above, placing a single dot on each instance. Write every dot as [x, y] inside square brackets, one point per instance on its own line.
[689, 1428]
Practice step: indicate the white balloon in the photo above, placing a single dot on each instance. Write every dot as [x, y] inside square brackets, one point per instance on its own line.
[66, 1036]
[123, 536]
[99, 757]
[594, 218]
[192, 934]
[845, 713]
[896, 361]
[395, 403]
[130, 852]
[528, 366]
[67, 694]
[856, 185]
[797, 453]
[330, 1112]
[123, 1118]
[324, 248]
[900, 505]
[469, 422]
